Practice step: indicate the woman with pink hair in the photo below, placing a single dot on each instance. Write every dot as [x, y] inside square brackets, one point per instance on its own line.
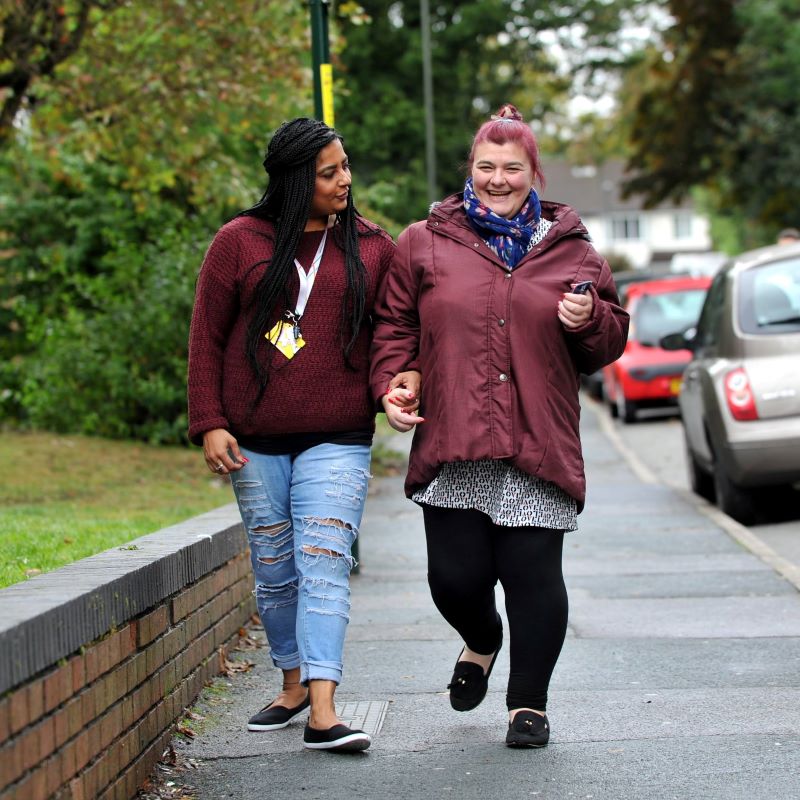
[501, 301]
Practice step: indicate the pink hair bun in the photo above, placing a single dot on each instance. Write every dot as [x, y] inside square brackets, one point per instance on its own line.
[508, 112]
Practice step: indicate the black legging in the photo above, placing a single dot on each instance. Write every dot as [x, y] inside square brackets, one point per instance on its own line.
[467, 555]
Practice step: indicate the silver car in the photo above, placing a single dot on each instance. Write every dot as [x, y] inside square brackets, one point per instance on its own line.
[740, 398]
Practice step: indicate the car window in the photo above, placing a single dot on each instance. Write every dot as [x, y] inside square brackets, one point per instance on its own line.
[711, 313]
[656, 315]
[769, 298]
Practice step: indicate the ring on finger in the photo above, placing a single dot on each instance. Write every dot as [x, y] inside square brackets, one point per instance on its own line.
[219, 467]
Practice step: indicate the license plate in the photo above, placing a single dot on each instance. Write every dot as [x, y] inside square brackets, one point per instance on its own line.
[675, 385]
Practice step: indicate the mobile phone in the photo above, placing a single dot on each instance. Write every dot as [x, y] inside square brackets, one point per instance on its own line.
[582, 287]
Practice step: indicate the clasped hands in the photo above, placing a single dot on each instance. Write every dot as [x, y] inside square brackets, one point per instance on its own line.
[401, 401]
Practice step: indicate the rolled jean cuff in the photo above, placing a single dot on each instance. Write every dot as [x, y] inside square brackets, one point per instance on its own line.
[320, 671]
[292, 661]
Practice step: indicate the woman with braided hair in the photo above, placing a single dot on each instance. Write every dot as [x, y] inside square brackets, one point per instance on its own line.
[502, 301]
[279, 399]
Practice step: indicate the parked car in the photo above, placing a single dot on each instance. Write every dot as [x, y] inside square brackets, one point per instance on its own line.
[593, 383]
[740, 398]
[645, 375]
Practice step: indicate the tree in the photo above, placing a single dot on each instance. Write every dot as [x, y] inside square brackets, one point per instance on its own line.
[35, 37]
[131, 152]
[484, 53]
[717, 107]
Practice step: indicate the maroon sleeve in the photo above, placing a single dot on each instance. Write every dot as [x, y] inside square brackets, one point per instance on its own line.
[395, 343]
[215, 308]
[602, 339]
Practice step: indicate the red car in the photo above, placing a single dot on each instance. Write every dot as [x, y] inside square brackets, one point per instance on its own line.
[645, 376]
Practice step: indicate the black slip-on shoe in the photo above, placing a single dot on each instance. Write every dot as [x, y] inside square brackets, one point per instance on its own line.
[469, 683]
[339, 738]
[528, 730]
[272, 719]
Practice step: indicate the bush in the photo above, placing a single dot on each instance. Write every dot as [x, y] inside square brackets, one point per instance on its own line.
[97, 294]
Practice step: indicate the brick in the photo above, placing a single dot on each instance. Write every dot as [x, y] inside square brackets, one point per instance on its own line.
[28, 746]
[152, 625]
[104, 655]
[174, 641]
[73, 713]
[32, 787]
[126, 709]
[91, 780]
[127, 642]
[111, 726]
[11, 766]
[82, 750]
[155, 656]
[69, 761]
[180, 606]
[78, 665]
[92, 662]
[18, 710]
[52, 771]
[5, 719]
[76, 787]
[45, 734]
[60, 727]
[117, 684]
[57, 687]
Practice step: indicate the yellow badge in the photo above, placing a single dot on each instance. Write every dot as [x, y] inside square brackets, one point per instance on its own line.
[283, 337]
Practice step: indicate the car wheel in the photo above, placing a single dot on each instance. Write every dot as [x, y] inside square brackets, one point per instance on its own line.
[626, 410]
[701, 482]
[736, 501]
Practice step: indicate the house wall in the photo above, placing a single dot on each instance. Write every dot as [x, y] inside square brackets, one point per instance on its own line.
[656, 235]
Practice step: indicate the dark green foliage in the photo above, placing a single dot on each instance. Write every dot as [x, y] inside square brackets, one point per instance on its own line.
[97, 293]
[718, 107]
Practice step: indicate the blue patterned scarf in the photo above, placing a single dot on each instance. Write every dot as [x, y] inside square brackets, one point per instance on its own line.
[509, 238]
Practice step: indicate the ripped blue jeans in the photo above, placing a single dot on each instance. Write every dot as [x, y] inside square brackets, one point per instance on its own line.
[302, 513]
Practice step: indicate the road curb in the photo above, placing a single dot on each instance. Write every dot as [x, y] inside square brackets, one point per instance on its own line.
[745, 537]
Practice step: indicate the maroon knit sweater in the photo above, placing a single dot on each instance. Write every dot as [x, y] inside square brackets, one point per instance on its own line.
[312, 392]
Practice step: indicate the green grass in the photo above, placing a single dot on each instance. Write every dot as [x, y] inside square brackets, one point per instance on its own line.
[67, 497]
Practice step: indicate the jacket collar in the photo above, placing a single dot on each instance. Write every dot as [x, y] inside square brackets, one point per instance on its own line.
[448, 218]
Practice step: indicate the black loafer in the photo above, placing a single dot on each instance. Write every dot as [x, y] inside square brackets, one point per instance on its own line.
[339, 738]
[272, 719]
[528, 730]
[469, 683]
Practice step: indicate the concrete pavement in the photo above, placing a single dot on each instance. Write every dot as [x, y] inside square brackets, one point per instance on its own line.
[680, 676]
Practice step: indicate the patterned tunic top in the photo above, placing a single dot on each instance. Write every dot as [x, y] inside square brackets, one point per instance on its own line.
[507, 495]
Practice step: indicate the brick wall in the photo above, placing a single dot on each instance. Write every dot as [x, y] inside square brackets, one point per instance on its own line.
[93, 722]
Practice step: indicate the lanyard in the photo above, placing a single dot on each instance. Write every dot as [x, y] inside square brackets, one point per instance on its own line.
[307, 280]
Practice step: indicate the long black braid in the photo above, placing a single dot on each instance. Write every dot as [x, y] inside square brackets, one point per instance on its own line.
[290, 163]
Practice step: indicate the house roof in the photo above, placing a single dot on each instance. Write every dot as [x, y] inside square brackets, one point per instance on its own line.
[594, 189]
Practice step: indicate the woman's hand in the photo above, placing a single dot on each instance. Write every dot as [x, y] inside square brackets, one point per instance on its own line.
[402, 400]
[575, 310]
[221, 451]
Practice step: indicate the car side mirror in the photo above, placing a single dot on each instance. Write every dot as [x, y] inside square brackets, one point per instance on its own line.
[683, 340]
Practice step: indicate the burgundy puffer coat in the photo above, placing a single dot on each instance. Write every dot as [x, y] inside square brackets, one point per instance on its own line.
[500, 373]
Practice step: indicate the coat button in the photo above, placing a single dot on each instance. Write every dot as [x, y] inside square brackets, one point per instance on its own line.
[503, 377]
[501, 322]
[476, 244]
[508, 276]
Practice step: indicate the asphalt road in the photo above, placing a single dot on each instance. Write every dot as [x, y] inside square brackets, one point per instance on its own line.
[656, 440]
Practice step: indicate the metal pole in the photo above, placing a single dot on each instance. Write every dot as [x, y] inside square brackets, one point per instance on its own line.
[321, 61]
[427, 92]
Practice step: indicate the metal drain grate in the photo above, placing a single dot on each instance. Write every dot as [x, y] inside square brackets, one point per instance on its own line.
[368, 715]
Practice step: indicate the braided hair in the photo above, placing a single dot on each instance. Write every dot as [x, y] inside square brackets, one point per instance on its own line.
[291, 164]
